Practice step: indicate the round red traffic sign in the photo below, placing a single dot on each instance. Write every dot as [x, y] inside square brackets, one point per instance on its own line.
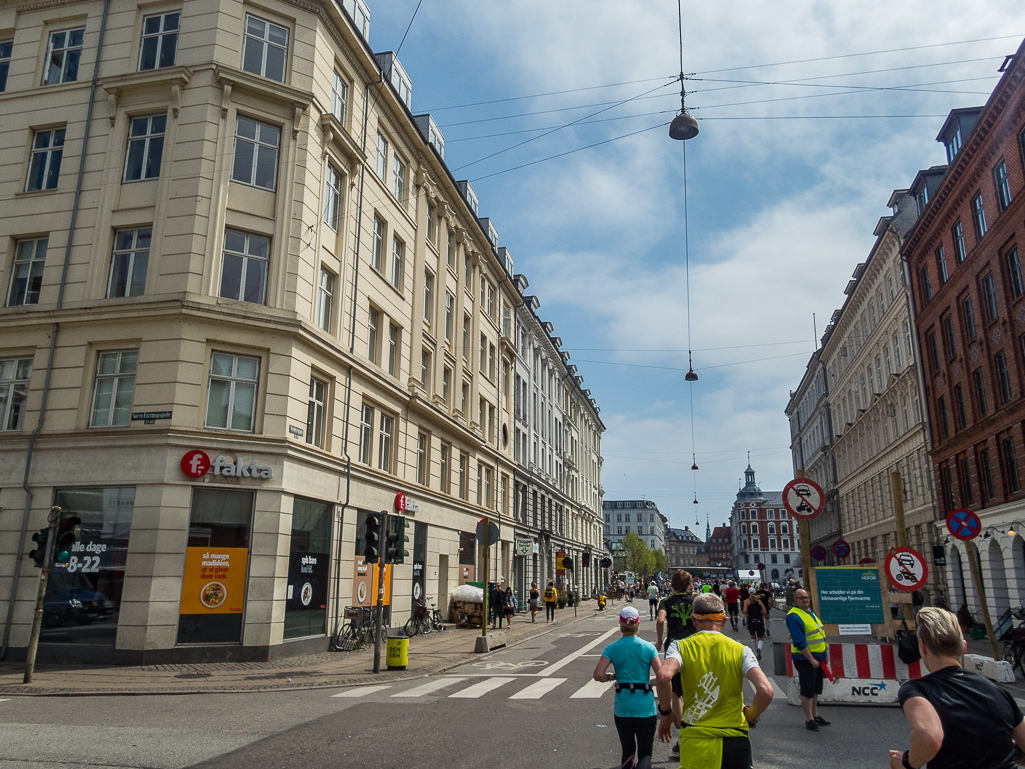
[195, 463]
[964, 524]
[400, 502]
[841, 549]
[761, 566]
[906, 569]
[804, 499]
[866, 561]
[818, 553]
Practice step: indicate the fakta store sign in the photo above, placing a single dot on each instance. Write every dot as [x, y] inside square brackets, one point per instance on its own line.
[196, 464]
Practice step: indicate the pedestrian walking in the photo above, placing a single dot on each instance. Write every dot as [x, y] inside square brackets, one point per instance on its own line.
[634, 709]
[674, 624]
[766, 595]
[808, 649]
[652, 600]
[497, 605]
[745, 593]
[509, 607]
[534, 601]
[551, 601]
[957, 717]
[711, 668]
[754, 614]
[732, 595]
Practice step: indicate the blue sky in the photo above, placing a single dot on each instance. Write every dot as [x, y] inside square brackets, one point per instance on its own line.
[786, 182]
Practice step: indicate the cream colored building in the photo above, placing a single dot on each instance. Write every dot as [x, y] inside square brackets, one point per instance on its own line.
[237, 240]
[874, 394]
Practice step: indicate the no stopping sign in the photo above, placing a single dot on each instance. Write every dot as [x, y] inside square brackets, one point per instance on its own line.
[906, 569]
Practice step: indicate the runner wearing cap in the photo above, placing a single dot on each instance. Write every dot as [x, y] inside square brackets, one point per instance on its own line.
[634, 709]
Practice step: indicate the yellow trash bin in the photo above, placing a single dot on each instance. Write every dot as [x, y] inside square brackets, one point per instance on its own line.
[398, 652]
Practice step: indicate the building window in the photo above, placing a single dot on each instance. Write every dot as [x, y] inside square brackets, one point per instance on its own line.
[244, 274]
[754, 527]
[969, 318]
[339, 95]
[450, 306]
[6, 47]
[466, 338]
[159, 41]
[394, 339]
[980, 391]
[962, 416]
[384, 442]
[1014, 272]
[978, 216]
[1010, 465]
[941, 265]
[944, 427]
[482, 360]
[960, 251]
[450, 253]
[948, 335]
[315, 413]
[129, 262]
[14, 380]
[926, 285]
[366, 434]
[446, 385]
[145, 148]
[428, 298]
[425, 369]
[373, 335]
[987, 475]
[231, 400]
[256, 153]
[398, 180]
[45, 168]
[491, 301]
[381, 160]
[1003, 187]
[464, 397]
[265, 48]
[1003, 377]
[990, 294]
[464, 484]
[398, 252]
[445, 453]
[934, 353]
[27, 272]
[491, 362]
[63, 55]
[377, 246]
[784, 528]
[966, 483]
[432, 224]
[325, 299]
[332, 197]
[421, 458]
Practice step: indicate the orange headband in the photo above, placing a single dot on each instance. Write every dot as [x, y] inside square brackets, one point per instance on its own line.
[720, 617]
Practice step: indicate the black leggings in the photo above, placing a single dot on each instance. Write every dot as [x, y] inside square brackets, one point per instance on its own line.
[641, 731]
[736, 753]
[550, 609]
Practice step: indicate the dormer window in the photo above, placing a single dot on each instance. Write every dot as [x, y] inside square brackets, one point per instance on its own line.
[922, 199]
[953, 143]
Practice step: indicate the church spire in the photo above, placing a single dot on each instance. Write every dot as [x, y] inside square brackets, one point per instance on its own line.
[708, 529]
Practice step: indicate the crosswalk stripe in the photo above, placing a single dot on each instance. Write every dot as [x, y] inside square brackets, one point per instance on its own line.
[482, 688]
[569, 658]
[592, 690]
[428, 688]
[538, 689]
[7, 700]
[362, 691]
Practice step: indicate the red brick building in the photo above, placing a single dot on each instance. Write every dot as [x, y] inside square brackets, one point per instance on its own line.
[964, 257]
[720, 547]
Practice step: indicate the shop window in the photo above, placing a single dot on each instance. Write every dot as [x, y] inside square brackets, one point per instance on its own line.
[83, 597]
[216, 565]
[308, 560]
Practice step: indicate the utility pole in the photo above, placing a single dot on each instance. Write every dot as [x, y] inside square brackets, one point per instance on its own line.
[902, 531]
[379, 617]
[44, 577]
[487, 577]
[805, 531]
[973, 563]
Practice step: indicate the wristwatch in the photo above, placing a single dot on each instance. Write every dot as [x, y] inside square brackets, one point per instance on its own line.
[667, 712]
[904, 760]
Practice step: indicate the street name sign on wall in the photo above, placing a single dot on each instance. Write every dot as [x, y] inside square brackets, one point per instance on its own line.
[804, 499]
[850, 595]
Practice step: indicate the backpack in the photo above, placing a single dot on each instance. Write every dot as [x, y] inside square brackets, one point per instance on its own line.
[549, 593]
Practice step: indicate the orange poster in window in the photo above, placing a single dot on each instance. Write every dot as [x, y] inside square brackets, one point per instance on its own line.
[215, 580]
[364, 583]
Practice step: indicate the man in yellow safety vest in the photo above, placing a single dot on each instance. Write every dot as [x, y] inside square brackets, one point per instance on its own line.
[712, 668]
[808, 649]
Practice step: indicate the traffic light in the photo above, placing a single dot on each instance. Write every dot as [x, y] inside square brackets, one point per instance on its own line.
[567, 563]
[38, 555]
[372, 539]
[68, 534]
[396, 551]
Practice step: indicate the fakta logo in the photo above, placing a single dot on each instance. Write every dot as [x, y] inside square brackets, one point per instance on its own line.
[195, 463]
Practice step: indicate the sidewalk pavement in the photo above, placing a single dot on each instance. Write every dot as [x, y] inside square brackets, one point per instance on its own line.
[428, 655]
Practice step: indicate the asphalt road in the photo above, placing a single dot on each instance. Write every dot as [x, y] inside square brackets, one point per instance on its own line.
[532, 705]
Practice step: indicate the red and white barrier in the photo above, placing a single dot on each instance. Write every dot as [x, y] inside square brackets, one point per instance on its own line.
[867, 674]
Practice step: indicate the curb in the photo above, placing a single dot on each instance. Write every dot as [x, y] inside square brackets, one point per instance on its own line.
[19, 690]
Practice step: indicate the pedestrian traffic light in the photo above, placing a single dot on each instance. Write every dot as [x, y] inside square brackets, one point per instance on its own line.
[372, 539]
[38, 555]
[396, 551]
[68, 534]
[567, 563]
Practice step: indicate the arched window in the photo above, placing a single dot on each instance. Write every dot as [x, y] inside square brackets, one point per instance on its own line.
[754, 527]
[743, 528]
[772, 528]
[784, 528]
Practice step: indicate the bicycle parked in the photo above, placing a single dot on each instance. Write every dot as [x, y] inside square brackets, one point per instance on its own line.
[358, 630]
[422, 621]
[1014, 641]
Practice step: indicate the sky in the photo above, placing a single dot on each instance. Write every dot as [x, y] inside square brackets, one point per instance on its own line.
[810, 115]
